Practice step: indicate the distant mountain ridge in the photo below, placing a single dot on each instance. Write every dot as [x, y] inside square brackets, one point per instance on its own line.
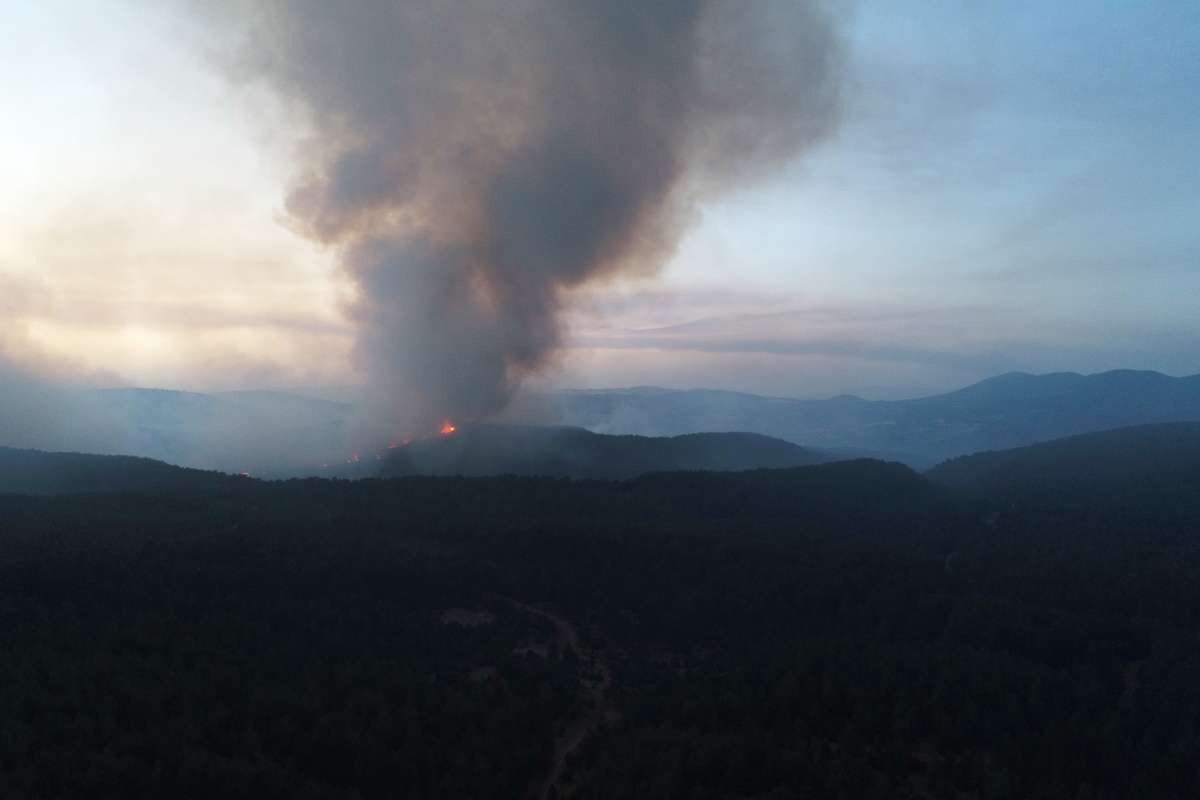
[1144, 467]
[281, 434]
[1006, 411]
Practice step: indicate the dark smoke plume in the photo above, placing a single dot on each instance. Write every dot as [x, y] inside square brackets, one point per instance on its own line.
[474, 160]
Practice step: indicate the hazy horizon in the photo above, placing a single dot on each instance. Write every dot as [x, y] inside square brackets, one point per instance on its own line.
[348, 392]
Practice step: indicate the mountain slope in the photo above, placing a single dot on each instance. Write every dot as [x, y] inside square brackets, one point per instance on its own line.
[1139, 466]
[38, 472]
[578, 453]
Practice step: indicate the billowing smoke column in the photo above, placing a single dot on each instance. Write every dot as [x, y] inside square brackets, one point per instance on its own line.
[473, 160]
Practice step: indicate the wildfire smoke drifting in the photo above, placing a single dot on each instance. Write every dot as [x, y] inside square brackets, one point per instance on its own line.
[474, 161]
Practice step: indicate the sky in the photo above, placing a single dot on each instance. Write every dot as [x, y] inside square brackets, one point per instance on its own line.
[1011, 186]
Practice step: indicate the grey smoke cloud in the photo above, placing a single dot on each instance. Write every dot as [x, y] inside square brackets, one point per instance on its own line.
[474, 161]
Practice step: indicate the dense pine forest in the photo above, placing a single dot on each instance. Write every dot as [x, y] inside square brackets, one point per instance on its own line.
[847, 630]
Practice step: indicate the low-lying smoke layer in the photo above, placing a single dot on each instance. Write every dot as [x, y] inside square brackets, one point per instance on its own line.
[473, 161]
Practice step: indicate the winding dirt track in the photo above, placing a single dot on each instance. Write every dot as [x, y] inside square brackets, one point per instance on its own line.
[593, 692]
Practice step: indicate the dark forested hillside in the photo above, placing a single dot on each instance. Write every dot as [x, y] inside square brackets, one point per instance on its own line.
[848, 630]
[1143, 465]
[36, 472]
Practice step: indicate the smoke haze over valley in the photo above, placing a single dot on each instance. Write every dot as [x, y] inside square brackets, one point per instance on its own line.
[280, 434]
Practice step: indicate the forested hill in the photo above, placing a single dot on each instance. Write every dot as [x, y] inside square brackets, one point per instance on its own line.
[476, 450]
[838, 490]
[844, 630]
[37, 472]
[1141, 466]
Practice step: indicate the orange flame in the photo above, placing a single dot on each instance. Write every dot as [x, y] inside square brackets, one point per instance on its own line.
[447, 428]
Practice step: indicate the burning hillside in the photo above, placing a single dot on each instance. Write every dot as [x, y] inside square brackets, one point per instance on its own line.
[577, 453]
